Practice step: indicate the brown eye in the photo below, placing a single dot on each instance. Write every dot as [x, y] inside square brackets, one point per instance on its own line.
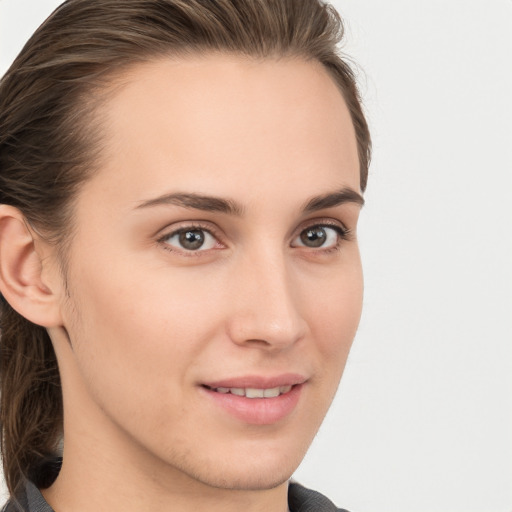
[314, 237]
[323, 237]
[191, 239]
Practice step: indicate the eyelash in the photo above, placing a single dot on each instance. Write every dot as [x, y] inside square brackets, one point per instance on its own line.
[343, 234]
[189, 227]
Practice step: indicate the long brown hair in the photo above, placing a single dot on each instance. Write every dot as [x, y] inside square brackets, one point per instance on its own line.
[50, 143]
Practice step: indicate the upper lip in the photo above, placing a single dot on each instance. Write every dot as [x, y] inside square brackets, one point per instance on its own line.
[258, 381]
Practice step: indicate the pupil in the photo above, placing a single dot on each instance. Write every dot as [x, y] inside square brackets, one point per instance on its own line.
[314, 237]
[192, 239]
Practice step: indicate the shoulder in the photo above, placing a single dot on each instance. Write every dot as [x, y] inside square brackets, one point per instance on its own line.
[29, 499]
[301, 499]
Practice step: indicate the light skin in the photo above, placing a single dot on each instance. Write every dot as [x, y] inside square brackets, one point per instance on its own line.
[257, 159]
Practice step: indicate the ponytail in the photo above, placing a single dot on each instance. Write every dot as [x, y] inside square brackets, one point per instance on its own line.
[31, 400]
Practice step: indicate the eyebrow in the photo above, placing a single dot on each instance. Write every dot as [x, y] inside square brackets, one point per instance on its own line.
[345, 195]
[196, 202]
[230, 207]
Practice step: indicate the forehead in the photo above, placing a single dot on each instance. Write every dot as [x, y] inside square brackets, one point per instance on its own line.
[223, 118]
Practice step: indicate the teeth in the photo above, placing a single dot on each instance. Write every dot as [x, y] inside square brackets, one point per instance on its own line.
[271, 393]
[255, 392]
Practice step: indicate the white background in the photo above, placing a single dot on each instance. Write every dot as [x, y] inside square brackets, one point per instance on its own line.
[423, 419]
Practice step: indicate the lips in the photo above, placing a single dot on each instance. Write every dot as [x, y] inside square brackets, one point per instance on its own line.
[258, 381]
[255, 392]
[254, 399]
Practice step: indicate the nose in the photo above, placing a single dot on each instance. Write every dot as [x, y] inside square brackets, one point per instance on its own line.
[266, 305]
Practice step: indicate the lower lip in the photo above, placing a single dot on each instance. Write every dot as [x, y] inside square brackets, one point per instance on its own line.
[257, 411]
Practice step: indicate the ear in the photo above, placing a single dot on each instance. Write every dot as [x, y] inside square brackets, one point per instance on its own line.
[21, 272]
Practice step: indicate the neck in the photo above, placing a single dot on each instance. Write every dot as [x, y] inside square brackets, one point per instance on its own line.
[104, 468]
[92, 479]
[79, 493]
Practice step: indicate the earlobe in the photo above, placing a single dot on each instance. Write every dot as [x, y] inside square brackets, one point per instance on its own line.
[21, 272]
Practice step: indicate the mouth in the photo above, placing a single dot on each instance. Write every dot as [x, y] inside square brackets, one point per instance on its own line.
[253, 392]
[256, 401]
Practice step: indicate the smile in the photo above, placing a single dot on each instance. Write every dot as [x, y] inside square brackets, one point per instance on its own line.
[255, 392]
[253, 402]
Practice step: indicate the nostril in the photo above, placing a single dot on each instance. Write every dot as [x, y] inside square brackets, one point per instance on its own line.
[257, 342]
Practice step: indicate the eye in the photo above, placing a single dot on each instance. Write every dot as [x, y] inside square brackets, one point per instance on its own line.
[190, 239]
[325, 237]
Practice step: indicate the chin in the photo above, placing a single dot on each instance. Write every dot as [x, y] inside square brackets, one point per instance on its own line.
[244, 470]
[253, 481]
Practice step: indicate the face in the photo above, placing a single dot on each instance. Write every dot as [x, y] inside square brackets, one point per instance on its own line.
[214, 280]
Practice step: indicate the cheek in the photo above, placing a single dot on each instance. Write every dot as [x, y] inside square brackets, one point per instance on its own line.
[334, 311]
[136, 329]
[335, 308]
[139, 302]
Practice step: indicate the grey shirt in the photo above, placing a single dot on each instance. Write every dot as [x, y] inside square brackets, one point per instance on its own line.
[300, 499]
